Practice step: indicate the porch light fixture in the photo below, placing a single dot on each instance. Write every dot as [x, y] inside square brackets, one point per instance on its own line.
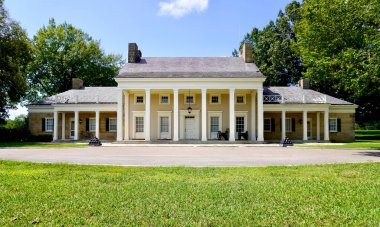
[300, 121]
[189, 109]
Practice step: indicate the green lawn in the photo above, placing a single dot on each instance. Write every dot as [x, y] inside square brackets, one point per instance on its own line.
[59, 194]
[40, 145]
[369, 139]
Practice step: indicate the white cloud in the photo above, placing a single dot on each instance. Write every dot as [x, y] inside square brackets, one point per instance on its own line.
[179, 8]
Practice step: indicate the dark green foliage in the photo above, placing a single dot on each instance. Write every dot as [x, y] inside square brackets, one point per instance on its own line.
[62, 52]
[273, 49]
[339, 41]
[14, 56]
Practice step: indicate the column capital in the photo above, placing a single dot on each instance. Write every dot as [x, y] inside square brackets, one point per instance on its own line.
[232, 90]
[175, 90]
[204, 89]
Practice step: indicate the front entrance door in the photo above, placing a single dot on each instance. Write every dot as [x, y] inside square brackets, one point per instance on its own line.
[72, 128]
[190, 128]
[139, 129]
[164, 128]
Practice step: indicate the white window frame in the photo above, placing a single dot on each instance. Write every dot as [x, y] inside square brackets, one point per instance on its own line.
[109, 126]
[270, 125]
[290, 124]
[214, 114]
[164, 114]
[138, 135]
[185, 101]
[241, 114]
[89, 124]
[336, 124]
[164, 95]
[46, 124]
[135, 99]
[244, 99]
[219, 99]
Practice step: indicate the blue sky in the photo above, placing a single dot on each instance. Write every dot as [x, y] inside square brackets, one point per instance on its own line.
[160, 27]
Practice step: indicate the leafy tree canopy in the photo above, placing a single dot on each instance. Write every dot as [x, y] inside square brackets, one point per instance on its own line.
[273, 48]
[339, 41]
[14, 56]
[62, 52]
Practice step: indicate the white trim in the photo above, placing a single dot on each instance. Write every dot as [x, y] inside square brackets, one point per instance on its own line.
[214, 114]
[242, 114]
[135, 98]
[86, 107]
[336, 124]
[296, 107]
[343, 109]
[185, 96]
[182, 114]
[40, 109]
[219, 99]
[139, 135]
[164, 114]
[244, 98]
[159, 99]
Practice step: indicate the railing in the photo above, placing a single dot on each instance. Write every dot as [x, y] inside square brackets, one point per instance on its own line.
[74, 99]
[294, 99]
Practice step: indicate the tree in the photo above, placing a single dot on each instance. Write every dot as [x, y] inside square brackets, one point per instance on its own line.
[14, 56]
[62, 52]
[274, 49]
[235, 53]
[339, 41]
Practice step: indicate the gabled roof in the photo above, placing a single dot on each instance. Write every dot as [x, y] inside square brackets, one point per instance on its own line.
[190, 67]
[298, 95]
[103, 95]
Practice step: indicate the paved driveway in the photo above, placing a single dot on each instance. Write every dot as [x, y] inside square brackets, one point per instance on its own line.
[191, 156]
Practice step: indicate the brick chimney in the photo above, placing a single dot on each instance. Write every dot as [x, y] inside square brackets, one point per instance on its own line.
[134, 54]
[304, 83]
[246, 52]
[76, 83]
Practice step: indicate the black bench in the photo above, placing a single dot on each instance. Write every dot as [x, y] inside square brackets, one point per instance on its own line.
[243, 135]
[225, 135]
[95, 142]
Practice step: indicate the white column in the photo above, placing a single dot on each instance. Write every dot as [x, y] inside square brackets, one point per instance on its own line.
[119, 118]
[55, 134]
[175, 116]
[304, 125]
[283, 125]
[326, 126]
[204, 115]
[76, 125]
[260, 116]
[253, 116]
[126, 116]
[63, 126]
[97, 113]
[147, 115]
[232, 114]
[318, 126]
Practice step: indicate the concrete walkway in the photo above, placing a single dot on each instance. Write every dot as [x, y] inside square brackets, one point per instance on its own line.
[191, 156]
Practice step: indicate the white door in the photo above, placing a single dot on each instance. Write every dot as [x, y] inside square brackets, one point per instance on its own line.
[190, 128]
[164, 128]
[214, 127]
[139, 127]
[72, 128]
[239, 125]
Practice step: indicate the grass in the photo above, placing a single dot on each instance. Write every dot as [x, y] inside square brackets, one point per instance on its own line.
[60, 194]
[368, 139]
[41, 145]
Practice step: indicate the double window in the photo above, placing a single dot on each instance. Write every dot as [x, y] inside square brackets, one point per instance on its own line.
[267, 125]
[215, 99]
[288, 124]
